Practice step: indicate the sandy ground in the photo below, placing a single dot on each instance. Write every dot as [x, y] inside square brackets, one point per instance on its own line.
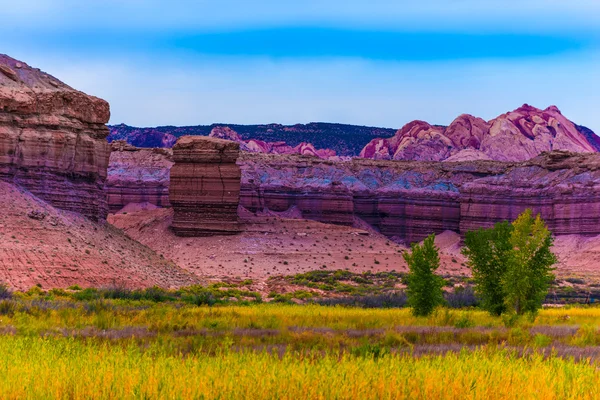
[42, 245]
[271, 245]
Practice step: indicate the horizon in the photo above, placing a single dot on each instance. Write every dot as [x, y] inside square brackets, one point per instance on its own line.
[229, 124]
[375, 64]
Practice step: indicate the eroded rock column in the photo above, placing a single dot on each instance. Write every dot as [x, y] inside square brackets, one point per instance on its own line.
[205, 187]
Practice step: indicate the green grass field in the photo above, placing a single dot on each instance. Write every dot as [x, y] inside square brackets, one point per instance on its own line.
[57, 346]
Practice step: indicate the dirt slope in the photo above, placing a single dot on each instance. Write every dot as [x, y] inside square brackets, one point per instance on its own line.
[40, 244]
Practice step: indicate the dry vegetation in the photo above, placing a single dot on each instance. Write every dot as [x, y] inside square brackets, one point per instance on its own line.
[160, 344]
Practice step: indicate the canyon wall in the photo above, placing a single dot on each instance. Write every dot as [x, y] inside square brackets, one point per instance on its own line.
[408, 200]
[53, 139]
[205, 187]
[147, 182]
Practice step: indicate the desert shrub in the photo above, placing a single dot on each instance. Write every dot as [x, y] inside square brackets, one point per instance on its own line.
[368, 350]
[461, 296]
[386, 300]
[586, 336]
[8, 307]
[200, 298]
[540, 340]
[464, 322]
[575, 281]
[87, 294]
[5, 292]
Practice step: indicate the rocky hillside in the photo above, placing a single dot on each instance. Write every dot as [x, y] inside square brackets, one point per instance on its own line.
[344, 140]
[518, 135]
[40, 244]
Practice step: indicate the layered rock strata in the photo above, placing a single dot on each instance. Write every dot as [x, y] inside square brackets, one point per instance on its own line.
[205, 187]
[53, 139]
[563, 187]
[138, 176]
[409, 200]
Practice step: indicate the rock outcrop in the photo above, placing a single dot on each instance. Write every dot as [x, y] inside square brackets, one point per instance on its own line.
[205, 186]
[515, 136]
[563, 187]
[259, 146]
[53, 139]
[410, 199]
[138, 176]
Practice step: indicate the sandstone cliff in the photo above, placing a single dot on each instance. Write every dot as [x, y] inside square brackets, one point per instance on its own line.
[410, 199]
[205, 186]
[138, 176]
[515, 136]
[53, 139]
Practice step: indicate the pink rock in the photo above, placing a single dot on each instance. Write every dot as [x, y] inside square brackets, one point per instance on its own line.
[515, 136]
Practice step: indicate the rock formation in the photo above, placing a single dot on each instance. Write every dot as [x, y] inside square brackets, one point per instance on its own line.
[53, 139]
[259, 146]
[563, 187]
[409, 200]
[515, 136]
[344, 140]
[138, 176]
[205, 186]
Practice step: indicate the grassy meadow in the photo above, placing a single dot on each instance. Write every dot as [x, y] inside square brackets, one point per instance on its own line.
[75, 345]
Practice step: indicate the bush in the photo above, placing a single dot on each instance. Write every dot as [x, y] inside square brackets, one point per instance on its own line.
[8, 307]
[387, 300]
[461, 296]
[5, 292]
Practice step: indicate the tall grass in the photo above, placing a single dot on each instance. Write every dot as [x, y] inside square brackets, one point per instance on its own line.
[58, 368]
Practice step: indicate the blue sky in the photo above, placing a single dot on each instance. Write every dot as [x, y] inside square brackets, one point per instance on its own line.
[374, 62]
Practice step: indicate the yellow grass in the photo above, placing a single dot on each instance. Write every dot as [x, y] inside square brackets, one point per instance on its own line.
[51, 368]
[44, 355]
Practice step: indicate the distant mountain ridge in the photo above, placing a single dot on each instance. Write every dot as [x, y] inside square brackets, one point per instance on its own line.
[517, 135]
[345, 140]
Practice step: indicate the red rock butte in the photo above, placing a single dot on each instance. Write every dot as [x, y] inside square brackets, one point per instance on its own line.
[205, 186]
[53, 139]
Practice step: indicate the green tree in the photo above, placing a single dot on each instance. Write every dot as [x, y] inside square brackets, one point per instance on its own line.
[488, 252]
[424, 287]
[511, 264]
[529, 271]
